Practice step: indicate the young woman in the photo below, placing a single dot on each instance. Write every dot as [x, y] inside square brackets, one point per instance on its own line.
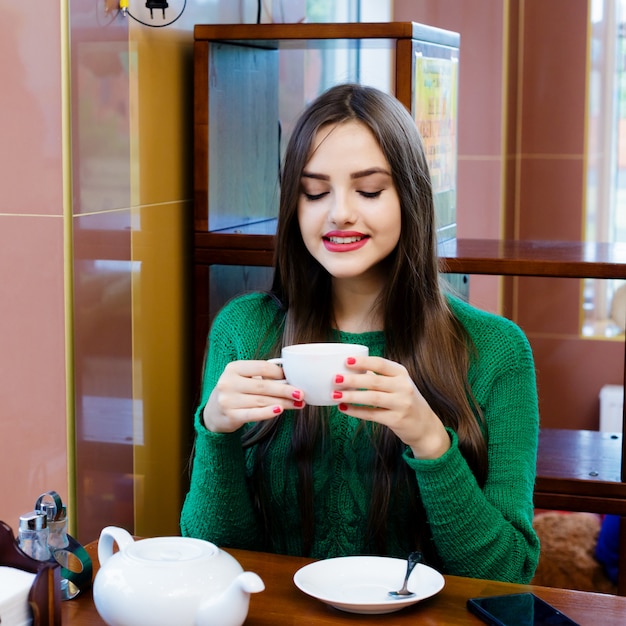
[434, 446]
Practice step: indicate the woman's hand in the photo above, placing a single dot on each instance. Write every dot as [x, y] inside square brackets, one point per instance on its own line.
[249, 391]
[386, 394]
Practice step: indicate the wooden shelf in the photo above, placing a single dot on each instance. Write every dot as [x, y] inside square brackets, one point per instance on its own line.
[557, 259]
[253, 34]
[233, 249]
[580, 470]
[562, 259]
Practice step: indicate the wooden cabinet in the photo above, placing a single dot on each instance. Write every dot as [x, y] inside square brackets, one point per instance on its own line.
[234, 224]
[237, 76]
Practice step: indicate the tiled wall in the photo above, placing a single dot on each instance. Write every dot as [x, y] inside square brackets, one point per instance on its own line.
[32, 322]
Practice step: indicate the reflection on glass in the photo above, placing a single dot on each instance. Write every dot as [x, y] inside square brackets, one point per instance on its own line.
[109, 422]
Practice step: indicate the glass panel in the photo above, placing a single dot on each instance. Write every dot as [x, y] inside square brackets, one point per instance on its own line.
[255, 96]
[227, 281]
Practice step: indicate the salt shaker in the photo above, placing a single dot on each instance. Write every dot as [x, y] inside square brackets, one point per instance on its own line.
[33, 535]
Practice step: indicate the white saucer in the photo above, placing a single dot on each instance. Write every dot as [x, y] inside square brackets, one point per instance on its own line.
[360, 584]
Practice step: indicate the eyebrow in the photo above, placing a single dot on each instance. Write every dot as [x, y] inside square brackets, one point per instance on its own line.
[355, 175]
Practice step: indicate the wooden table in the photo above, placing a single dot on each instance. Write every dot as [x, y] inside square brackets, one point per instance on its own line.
[283, 603]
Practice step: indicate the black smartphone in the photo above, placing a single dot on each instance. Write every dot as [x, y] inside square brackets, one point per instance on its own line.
[518, 609]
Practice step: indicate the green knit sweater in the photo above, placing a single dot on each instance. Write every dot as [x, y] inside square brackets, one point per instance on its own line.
[482, 533]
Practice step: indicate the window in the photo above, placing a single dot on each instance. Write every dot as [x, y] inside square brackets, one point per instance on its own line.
[603, 313]
[358, 63]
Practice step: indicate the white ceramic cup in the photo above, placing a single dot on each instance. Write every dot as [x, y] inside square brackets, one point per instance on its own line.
[312, 367]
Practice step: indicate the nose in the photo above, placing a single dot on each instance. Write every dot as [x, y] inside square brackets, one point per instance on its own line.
[342, 210]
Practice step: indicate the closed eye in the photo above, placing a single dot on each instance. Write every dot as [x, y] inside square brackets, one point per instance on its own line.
[314, 196]
[371, 194]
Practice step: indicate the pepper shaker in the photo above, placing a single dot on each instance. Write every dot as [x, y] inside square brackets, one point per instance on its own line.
[33, 535]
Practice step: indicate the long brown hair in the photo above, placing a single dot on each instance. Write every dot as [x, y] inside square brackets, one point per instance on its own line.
[420, 330]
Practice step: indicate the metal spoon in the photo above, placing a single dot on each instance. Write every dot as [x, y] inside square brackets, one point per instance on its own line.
[413, 559]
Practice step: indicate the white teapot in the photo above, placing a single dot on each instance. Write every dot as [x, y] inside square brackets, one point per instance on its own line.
[170, 580]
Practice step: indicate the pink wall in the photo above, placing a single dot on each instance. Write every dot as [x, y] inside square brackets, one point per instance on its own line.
[33, 449]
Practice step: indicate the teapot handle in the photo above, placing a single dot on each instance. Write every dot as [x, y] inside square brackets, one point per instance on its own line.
[109, 535]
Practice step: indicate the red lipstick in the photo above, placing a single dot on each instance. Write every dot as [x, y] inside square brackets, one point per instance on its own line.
[344, 240]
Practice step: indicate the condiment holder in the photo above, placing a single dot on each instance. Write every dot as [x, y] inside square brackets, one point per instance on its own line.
[44, 597]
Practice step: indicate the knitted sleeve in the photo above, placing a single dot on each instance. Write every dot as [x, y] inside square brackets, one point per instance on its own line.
[488, 533]
[218, 506]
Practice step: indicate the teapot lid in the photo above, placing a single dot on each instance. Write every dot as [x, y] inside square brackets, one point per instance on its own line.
[171, 550]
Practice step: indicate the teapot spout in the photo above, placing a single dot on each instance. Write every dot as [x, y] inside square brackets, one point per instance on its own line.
[230, 608]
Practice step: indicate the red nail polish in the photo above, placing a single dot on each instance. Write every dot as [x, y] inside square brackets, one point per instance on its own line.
[298, 404]
[277, 410]
[350, 360]
[343, 407]
[337, 395]
[339, 379]
[296, 395]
